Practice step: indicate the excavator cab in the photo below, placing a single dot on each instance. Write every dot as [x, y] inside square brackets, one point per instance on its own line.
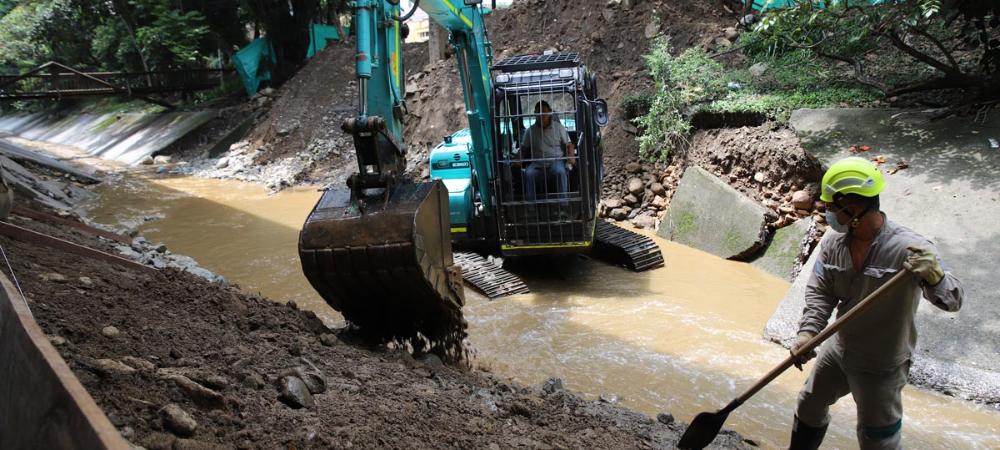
[549, 154]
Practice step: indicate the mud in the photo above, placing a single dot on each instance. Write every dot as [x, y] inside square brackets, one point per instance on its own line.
[221, 356]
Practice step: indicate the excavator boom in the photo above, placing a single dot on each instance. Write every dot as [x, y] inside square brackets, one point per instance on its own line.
[380, 251]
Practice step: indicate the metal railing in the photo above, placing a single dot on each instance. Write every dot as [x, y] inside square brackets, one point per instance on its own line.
[53, 80]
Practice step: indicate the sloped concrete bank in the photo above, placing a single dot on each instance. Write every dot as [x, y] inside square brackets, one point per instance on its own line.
[125, 137]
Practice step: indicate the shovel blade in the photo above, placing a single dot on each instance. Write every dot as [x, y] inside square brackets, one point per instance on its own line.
[702, 430]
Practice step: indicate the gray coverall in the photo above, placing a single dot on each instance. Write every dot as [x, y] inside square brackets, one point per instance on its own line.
[870, 356]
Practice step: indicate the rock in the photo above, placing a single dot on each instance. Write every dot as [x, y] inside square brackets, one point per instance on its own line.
[636, 186]
[612, 203]
[159, 441]
[802, 200]
[295, 393]
[431, 360]
[138, 363]
[222, 163]
[659, 202]
[618, 213]
[708, 214]
[162, 248]
[147, 161]
[111, 366]
[759, 177]
[552, 385]
[86, 281]
[52, 277]
[56, 340]
[658, 189]
[425, 173]
[758, 69]
[312, 379]
[609, 398]
[253, 381]
[631, 199]
[722, 42]
[731, 33]
[178, 420]
[782, 254]
[652, 28]
[665, 418]
[195, 391]
[110, 331]
[633, 167]
[802, 212]
[608, 14]
[162, 159]
[328, 339]
[644, 221]
[786, 209]
[267, 92]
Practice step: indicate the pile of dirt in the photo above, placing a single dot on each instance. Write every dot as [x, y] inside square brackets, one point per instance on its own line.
[293, 134]
[176, 361]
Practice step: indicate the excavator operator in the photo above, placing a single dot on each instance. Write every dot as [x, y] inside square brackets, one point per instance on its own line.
[551, 152]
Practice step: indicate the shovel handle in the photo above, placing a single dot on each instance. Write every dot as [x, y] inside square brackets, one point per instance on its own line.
[861, 307]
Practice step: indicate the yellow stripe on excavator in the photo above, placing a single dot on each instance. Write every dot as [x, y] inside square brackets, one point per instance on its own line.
[458, 13]
[562, 245]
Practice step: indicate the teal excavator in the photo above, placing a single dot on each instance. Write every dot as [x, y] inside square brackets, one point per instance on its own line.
[380, 252]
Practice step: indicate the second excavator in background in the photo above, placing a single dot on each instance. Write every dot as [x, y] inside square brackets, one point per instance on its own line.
[381, 252]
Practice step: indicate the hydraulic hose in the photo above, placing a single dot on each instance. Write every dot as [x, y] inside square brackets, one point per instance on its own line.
[416, 3]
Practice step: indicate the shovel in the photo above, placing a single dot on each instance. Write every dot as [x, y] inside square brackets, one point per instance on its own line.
[706, 425]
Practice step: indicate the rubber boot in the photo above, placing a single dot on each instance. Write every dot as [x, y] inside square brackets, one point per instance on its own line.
[805, 437]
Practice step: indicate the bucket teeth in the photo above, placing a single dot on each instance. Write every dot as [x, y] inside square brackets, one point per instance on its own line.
[627, 248]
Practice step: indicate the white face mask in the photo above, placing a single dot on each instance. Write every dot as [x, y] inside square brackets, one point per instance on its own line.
[831, 219]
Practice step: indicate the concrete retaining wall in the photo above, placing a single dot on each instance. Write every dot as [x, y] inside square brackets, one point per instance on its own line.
[42, 404]
[127, 138]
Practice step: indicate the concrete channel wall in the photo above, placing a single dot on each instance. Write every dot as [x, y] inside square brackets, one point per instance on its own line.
[127, 138]
[42, 404]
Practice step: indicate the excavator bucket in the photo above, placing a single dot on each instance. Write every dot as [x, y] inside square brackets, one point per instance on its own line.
[387, 265]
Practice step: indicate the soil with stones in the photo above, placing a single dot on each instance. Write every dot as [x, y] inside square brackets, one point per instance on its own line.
[766, 163]
[177, 362]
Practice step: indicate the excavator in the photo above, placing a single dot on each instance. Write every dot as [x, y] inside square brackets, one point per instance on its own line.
[381, 251]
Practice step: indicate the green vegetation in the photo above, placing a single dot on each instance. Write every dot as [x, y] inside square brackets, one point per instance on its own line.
[693, 82]
[810, 57]
[149, 35]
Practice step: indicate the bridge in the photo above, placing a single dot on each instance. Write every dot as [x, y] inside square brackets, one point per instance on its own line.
[56, 81]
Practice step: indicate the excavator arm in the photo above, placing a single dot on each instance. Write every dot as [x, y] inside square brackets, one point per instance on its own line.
[380, 251]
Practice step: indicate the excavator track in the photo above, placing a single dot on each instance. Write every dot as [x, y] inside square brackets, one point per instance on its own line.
[627, 248]
[488, 278]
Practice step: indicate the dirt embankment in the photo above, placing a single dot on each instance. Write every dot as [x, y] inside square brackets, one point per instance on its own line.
[177, 362]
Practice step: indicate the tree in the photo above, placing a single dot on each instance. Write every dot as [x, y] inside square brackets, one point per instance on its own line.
[898, 47]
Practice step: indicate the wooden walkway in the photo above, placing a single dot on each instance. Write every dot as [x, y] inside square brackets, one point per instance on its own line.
[56, 81]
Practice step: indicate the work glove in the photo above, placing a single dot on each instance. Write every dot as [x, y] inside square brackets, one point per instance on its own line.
[800, 341]
[924, 264]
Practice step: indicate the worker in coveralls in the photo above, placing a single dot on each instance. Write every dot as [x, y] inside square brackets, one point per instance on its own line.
[869, 357]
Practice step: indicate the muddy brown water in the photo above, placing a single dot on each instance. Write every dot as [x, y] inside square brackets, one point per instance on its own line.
[684, 338]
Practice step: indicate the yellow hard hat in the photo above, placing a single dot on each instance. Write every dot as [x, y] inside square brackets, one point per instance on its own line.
[852, 175]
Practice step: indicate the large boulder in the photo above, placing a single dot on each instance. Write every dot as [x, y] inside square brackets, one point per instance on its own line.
[708, 214]
[783, 252]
